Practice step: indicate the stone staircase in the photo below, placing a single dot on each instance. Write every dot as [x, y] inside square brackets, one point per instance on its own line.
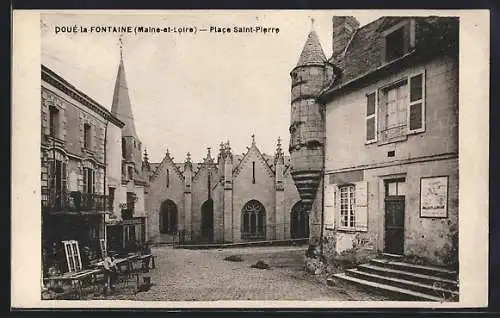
[400, 280]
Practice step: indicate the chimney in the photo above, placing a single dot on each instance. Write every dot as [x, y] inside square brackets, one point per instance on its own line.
[343, 28]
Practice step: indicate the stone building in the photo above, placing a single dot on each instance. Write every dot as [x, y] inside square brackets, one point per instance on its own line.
[127, 184]
[230, 198]
[379, 118]
[73, 175]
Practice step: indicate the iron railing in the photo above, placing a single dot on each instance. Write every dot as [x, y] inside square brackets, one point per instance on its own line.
[75, 201]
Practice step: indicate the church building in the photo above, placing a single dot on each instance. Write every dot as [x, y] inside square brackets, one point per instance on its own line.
[230, 198]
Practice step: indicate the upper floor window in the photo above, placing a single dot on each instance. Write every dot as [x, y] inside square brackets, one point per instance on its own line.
[87, 133]
[347, 206]
[53, 121]
[88, 180]
[399, 39]
[394, 111]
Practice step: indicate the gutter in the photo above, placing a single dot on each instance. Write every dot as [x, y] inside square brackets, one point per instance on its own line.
[330, 91]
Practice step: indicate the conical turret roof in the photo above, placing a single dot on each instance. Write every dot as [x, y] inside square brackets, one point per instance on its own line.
[312, 53]
[121, 106]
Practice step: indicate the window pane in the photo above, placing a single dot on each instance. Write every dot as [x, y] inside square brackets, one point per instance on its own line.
[392, 189]
[370, 128]
[370, 104]
[416, 116]
[416, 88]
[401, 188]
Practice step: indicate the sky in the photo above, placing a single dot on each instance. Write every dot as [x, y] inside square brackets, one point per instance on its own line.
[192, 91]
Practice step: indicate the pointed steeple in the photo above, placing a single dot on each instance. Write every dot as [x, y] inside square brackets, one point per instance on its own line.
[121, 106]
[312, 53]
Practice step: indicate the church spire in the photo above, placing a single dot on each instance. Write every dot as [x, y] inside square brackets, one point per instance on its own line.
[121, 106]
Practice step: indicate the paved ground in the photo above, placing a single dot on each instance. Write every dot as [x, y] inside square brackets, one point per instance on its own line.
[204, 275]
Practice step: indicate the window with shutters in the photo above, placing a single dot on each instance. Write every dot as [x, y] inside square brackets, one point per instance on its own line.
[347, 206]
[396, 110]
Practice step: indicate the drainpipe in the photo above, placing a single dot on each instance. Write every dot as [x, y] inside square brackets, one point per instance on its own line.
[104, 182]
[323, 194]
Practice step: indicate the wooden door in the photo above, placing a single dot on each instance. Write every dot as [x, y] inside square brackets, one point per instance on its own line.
[394, 224]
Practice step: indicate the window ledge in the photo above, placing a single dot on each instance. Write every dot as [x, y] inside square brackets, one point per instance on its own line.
[393, 140]
[347, 229]
[416, 132]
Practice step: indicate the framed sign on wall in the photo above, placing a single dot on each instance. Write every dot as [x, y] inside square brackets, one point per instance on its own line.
[434, 197]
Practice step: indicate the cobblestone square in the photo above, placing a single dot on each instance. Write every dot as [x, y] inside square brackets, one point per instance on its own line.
[204, 275]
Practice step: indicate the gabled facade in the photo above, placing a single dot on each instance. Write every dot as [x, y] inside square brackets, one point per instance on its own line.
[390, 114]
[231, 198]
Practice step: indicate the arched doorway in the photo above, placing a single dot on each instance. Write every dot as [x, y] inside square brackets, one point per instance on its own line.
[299, 227]
[253, 216]
[168, 217]
[207, 220]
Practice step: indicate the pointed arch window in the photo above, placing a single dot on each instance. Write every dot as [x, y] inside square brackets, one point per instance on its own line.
[254, 220]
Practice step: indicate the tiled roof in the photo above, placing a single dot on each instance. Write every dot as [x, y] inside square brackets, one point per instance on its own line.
[364, 52]
[312, 53]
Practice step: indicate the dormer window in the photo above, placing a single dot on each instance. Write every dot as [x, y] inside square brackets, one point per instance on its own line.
[398, 40]
[394, 44]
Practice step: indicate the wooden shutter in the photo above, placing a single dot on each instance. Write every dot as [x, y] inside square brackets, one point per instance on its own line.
[416, 103]
[72, 255]
[329, 207]
[76, 255]
[361, 206]
[371, 117]
[93, 183]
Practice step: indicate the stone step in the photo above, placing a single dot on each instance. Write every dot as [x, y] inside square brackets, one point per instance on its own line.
[400, 293]
[414, 268]
[405, 284]
[392, 256]
[407, 275]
